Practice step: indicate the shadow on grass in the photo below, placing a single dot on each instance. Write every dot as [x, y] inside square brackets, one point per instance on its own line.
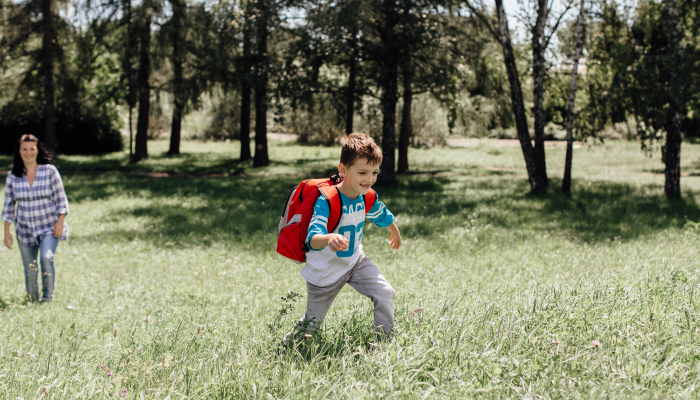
[184, 163]
[246, 210]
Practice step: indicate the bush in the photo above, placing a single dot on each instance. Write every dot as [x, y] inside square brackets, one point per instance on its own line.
[75, 133]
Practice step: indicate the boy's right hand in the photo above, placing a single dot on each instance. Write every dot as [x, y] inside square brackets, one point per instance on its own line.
[337, 242]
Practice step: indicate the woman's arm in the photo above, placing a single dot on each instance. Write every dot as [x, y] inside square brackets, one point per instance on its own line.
[58, 228]
[8, 236]
[59, 193]
[8, 210]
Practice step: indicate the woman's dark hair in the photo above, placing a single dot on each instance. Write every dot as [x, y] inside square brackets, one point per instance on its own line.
[42, 157]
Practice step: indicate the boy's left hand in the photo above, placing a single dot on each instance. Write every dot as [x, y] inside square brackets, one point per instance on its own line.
[395, 238]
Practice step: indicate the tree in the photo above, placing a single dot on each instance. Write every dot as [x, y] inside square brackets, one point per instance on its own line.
[47, 58]
[190, 38]
[428, 58]
[537, 177]
[245, 79]
[264, 13]
[387, 56]
[646, 70]
[128, 70]
[179, 96]
[672, 156]
[566, 182]
[84, 116]
[144, 72]
[325, 65]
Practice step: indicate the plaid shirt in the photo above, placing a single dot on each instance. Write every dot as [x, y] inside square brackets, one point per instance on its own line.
[38, 206]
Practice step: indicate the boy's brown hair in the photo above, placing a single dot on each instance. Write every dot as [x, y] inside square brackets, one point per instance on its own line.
[358, 145]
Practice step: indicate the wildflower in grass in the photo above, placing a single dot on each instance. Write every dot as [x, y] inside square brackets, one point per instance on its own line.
[123, 392]
[115, 332]
[199, 329]
[595, 343]
[16, 351]
[147, 319]
[109, 373]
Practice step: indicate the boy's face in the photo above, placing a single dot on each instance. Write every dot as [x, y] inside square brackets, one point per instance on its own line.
[359, 177]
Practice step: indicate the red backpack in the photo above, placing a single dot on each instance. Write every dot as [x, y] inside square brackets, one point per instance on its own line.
[294, 224]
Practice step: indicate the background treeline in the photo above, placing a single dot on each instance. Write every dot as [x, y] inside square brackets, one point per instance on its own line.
[407, 72]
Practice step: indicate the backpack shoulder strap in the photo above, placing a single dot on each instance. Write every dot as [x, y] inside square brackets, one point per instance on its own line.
[335, 204]
[370, 200]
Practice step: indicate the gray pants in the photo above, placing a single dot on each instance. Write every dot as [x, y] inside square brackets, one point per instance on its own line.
[366, 279]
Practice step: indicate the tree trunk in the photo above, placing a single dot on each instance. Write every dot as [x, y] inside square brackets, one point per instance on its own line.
[389, 85]
[141, 150]
[261, 158]
[566, 182]
[350, 93]
[406, 128]
[538, 75]
[533, 171]
[245, 93]
[672, 153]
[178, 87]
[47, 60]
[130, 99]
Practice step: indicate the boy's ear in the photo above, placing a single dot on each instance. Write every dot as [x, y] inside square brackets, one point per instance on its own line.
[341, 169]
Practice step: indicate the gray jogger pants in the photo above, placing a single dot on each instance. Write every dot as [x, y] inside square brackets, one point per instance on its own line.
[367, 280]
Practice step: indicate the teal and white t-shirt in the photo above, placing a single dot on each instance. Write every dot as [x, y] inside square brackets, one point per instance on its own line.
[323, 266]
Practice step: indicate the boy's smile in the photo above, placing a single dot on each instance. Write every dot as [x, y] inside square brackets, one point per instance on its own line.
[358, 178]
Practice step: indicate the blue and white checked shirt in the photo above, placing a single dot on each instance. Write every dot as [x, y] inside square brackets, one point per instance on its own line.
[38, 206]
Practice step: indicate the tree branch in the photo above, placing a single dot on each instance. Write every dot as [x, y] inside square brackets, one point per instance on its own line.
[556, 25]
[483, 19]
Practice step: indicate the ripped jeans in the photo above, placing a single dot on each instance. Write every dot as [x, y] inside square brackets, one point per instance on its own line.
[47, 248]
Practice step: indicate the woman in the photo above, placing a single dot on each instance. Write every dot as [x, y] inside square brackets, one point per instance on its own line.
[35, 186]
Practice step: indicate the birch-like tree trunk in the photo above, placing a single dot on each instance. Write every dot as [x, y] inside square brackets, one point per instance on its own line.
[566, 182]
[245, 92]
[537, 182]
[130, 98]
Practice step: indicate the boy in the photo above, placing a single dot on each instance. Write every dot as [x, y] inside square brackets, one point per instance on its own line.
[336, 258]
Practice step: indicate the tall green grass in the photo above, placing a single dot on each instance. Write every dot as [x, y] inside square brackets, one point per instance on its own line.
[171, 287]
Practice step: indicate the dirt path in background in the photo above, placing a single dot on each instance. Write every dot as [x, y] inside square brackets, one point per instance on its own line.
[455, 142]
[474, 142]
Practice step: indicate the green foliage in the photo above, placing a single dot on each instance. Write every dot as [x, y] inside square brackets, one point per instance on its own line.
[184, 270]
[627, 72]
[86, 80]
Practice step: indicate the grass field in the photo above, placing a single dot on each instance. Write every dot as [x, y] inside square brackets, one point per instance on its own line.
[170, 287]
